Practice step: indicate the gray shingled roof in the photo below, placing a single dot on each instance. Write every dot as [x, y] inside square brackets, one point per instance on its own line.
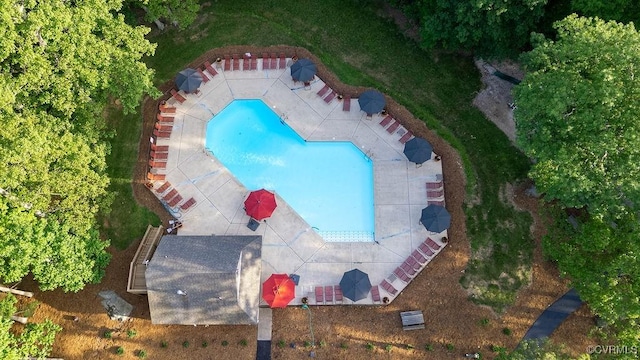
[219, 274]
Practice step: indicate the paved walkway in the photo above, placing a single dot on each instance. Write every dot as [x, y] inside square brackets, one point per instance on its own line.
[265, 326]
[290, 245]
[553, 316]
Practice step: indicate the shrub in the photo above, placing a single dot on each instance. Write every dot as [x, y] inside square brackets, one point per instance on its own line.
[344, 345]
[388, 347]
[164, 344]
[119, 350]
[282, 344]
[243, 342]
[370, 346]
[307, 344]
[410, 347]
[142, 354]
[428, 347]
[322, 343]
[506, 331]
[484, 322]
[185, 344]
[225, 343]
[450, 346]
[131, 333]
[107, 334]
[205, 344]
[498, 349]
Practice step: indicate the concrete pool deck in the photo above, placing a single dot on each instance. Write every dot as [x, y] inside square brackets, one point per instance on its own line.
[290, 245]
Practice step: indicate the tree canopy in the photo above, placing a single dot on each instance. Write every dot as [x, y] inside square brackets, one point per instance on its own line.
[577, 117]
[494, 28]
[61, 62]
[34, 341]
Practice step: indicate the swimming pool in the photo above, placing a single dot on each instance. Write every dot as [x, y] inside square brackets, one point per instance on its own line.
[329, 184]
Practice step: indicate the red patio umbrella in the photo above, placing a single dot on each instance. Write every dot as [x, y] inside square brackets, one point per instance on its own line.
[260, 204]
[278, 290]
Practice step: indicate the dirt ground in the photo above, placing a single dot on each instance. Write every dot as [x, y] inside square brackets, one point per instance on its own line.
[339, 331]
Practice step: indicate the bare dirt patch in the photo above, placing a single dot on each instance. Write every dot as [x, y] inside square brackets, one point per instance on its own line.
[451, 318]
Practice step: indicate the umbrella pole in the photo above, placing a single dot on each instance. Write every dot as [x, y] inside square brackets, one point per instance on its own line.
[313, 341]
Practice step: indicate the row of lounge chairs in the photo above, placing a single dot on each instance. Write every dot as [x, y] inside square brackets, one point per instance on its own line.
[435, 193]
[417, 260]
[170, 196]
[250, 62]
[329, 295]
[392, 125]
[162, 130]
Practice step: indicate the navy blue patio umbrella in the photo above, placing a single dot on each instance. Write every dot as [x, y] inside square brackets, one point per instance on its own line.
[372, 102]
[435, 218]
[303, 70]
[355, 285]
[418, 150]
[188, 80]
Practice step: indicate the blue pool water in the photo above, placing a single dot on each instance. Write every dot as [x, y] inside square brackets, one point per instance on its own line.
[329, 184]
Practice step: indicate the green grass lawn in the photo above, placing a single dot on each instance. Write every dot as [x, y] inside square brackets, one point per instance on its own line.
[364, 48]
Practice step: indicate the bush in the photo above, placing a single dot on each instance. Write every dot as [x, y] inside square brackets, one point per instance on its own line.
[307, 344]
[323, 343]
[498, 349]
[119, 350]
[131, 333]
[506, 331]
[344, 345]
[243, 342]
[142, 354]
[205, 344]
[107, 334]
[388, 347]
[370, 346]
[225, 343]
[410, 347]
[450, 346]
[164, 344]
[185, 344]
[282, 344]
[428, 347]
[484, 322]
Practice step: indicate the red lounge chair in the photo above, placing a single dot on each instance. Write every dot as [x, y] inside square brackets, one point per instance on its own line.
[205, 78]
[328, 294]
[235, 62]
[319, 295]
[393, 127]
[419, 258]
[432, 244]
[425, 249]
[161, 134]
[164, 119]
[435, 193]
[246, 62]
[227, 63]
[388, 287]
[338, 291]
[406, 137]
[435, 202]
[386, 121]
[414, 264]
[274, 61]
[408, 269]
[170, 195]
[158, 164]
[159, 148]
[177, 96]
[187, 204]
[210, 69]
[164, 187]
[254, 63]
[330, 97]
[434, 185]
[346, 105]
[283, 61]
[167, 110]
[266, 63]
[159, 156]
[322, 92]
[401, 275]
[173, 202]
[152, 176]
[375, 294]
[161, 127]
